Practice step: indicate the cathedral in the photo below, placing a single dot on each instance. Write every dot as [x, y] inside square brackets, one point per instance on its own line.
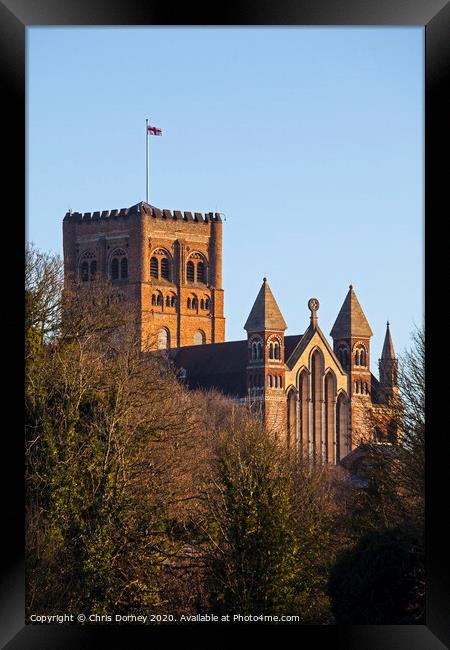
[313, 395]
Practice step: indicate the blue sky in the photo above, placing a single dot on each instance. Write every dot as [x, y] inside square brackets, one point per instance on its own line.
[309, 140]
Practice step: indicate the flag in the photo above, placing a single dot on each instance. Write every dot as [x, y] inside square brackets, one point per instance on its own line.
[153, 130]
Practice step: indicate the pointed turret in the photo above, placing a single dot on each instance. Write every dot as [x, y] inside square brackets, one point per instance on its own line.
[351, 334]
[265, 368]
[388, 347]
[351, 321]
[265, 313]
[388, 365]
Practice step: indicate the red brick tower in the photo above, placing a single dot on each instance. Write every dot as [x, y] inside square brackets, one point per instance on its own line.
[168, 265]
[351, 342]
[265, 328]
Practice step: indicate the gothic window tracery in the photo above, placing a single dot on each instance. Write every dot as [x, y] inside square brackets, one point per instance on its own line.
[118, 265]
[161, 265]
[196, 269]
[88, 266]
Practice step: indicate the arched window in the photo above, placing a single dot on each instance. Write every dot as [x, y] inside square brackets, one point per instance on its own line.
[173, 301]
[88, 266]
[207, 303]
[84, 271]
[259, 354]
[154, 267]
[118, 265]
[271, 351]
[201, 275]
[276, 348]
[189, 303]
[362, 357]
[153, 299]
[199, 338]
[124, 268]
[357, 358]
[159, 300]
[291, 413]
[202, 304]
[165, 268]
[115, 268]
[163, 339]
[342, 354]
[194, 303]
[190, 271]
[167, 301]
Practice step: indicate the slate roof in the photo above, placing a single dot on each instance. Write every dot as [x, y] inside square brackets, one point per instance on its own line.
[220, 366]
[265, 313]
[351, 320]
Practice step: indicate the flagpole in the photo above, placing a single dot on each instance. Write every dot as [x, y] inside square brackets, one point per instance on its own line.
[146, 160]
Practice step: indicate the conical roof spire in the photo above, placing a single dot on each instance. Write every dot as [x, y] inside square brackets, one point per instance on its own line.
[265, 313]
[388, 347]
[351, 320]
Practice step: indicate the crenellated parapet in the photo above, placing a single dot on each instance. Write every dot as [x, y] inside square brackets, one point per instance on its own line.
[143, 208]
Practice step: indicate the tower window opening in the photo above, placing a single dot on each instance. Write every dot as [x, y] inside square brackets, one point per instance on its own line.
[201, 275]
[154, 267]
[259, 354]
[190, 271]
[124, 268]
[119, 265]
[165, 268]
[84, 272]
[276, 348]
[115, 269]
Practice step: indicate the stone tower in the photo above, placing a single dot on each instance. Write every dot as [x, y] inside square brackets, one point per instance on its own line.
[388, 366]
[351, 335]
[168, 265]
[265, 328]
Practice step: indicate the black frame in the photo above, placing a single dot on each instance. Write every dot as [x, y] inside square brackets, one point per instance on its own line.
[15, 16]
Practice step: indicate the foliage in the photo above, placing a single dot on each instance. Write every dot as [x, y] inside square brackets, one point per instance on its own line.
[381, 580]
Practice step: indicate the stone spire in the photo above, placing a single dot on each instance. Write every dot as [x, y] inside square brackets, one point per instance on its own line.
[388, 352]
[265, 314]
[388, 365]
[351, 321]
